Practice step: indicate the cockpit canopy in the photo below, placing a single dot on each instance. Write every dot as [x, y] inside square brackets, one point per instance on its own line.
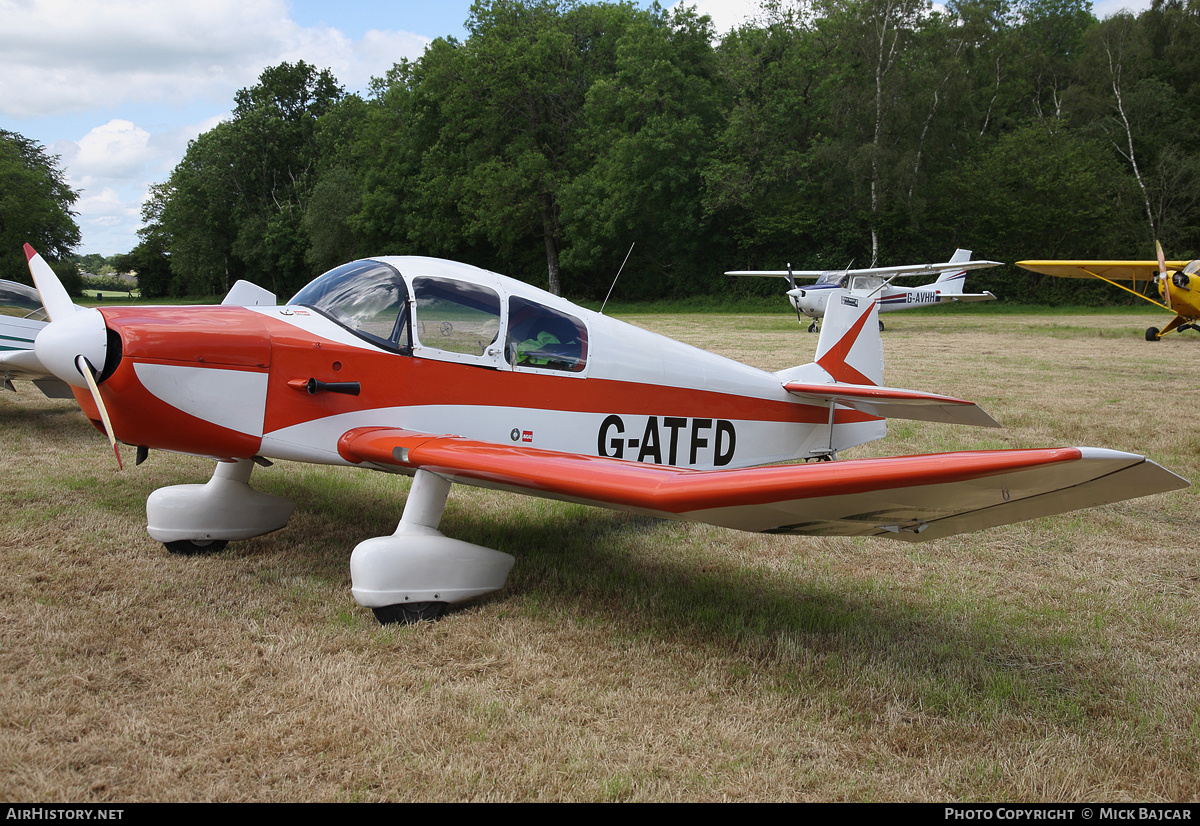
[446, 317]
[366, 297]
[20, 301]
[835, 278]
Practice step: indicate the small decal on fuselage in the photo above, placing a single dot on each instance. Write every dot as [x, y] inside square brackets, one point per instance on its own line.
[669, 440]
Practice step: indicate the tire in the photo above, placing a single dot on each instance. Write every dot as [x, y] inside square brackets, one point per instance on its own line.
[196, 547]
[409, 613]
[1152, 334]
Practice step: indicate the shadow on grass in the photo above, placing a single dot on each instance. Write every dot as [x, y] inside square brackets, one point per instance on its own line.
[642, 578]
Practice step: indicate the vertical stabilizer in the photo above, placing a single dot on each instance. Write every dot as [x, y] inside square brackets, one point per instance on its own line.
[951, 282]
[850, 349]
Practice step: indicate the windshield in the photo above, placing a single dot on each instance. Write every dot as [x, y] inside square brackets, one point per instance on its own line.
[366, 297]
[835, 278]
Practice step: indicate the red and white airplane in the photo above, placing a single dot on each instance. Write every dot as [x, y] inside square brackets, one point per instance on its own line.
[449, 373]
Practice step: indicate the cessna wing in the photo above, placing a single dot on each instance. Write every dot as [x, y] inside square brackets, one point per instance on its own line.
[886, 273]
[914, 498]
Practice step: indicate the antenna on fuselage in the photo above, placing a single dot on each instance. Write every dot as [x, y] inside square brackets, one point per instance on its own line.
[622, 267]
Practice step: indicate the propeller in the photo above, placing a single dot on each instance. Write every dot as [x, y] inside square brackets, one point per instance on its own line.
[1163, 287]
[89, 374]
[73, 342]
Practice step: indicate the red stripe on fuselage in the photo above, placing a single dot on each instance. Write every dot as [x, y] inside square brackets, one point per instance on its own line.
[393, 380]
[236, 338]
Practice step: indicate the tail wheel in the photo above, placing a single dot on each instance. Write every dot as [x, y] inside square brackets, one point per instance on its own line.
[1152, 334]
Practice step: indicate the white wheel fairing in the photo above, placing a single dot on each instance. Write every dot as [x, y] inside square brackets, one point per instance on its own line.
[233, 399]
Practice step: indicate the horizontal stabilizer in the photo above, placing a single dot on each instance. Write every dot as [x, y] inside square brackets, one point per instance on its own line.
[914, 498]
[949, 299]
[894, 403]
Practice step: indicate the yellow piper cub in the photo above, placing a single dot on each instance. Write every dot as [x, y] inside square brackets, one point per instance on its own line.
[1177, 284]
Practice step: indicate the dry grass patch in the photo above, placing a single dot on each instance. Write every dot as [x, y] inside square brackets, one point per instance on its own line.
[628, 659]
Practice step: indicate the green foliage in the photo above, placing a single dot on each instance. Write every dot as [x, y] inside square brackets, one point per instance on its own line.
[234, 205]
[35, 207]
[560, 133]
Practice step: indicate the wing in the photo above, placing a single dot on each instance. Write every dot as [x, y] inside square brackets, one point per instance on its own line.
[1104, 270]
[17, 359]
[914, 498]
[881, 272]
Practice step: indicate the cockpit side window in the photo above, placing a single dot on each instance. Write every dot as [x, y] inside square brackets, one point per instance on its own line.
[368, 298]
[456, 316]
[866, 283]
[544, 338]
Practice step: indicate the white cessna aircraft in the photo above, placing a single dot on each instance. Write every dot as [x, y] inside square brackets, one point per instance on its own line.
[877, 281]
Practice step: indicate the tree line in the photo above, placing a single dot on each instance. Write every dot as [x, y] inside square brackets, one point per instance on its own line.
[558, 135]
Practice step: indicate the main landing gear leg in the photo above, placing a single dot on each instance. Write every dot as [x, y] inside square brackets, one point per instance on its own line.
[416, 572]
[199, 519]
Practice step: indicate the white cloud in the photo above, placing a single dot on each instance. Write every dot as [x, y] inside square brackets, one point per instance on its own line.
[72, 55]
[156, 63]
[725, 14]
[118, 149]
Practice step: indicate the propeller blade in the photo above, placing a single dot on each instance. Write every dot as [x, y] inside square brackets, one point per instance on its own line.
[54, 295]
[1164, 288]
[88, 372]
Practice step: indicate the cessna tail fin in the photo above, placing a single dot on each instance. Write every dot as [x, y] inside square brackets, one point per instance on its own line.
[951, 282]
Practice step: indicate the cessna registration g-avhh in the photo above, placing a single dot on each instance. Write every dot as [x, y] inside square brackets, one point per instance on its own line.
[449, 373]
[813, 300]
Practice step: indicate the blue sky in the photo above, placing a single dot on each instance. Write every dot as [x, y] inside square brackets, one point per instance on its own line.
[117, 88]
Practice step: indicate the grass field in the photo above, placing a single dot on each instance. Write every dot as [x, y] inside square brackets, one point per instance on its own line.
[630, 659]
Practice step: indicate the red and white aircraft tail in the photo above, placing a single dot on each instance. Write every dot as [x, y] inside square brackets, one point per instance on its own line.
[848, 372]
